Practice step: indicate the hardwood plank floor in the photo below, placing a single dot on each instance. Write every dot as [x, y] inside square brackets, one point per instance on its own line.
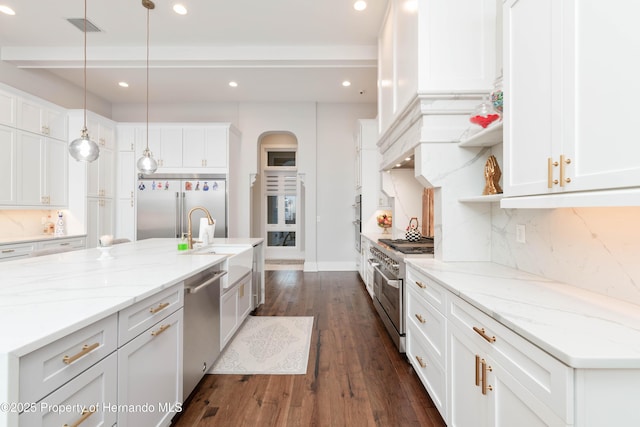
[355, 376]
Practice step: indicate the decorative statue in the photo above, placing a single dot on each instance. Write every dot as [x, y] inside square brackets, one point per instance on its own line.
[492, 176]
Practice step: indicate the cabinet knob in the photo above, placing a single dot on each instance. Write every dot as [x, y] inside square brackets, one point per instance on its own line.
[421, 362]
[420, 318]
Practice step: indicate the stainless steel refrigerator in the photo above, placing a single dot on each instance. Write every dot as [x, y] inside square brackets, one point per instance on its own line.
[164, 201]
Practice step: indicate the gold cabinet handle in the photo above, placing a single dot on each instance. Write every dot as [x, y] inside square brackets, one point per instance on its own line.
[161, 330]
[550, 165]
[485, 368]
[563, 179]
[8, 251]
[421, 285]
[154, 310]
[420, 318]
[86, 349]
[477, 370]
[421, 362]
[85, 414]
[483, 334]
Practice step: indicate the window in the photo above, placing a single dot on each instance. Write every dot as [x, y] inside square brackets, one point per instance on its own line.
[281, 158]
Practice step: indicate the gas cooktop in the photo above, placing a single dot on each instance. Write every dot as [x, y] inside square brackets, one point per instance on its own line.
[422, 246]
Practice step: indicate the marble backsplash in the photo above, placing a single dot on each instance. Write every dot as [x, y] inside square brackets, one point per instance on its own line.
[593, 248]
[24, 223]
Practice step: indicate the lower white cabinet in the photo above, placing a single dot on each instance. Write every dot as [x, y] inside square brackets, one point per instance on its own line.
[150, 374]
[16, 251]
[99, 219]
[235, 306]
[85, 400]
[71, 242]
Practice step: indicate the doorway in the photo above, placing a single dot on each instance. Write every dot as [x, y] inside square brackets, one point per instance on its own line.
[280, 198]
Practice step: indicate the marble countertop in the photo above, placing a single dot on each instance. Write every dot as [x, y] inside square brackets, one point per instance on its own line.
[45, 298]
[582, 329]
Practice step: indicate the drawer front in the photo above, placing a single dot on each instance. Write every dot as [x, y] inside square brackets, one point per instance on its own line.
[427, 320]
[94, 391]
[142, 315]
[10, 252]
[78, 243]
[47, 368]
[548, 379]
[431, 291]
[431, 372]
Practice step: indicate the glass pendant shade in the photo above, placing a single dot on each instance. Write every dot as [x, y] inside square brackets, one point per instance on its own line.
[147, 164]
[84, 149]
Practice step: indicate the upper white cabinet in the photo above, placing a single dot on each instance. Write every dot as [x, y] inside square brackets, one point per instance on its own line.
[205, 146]
[41, 171]
[42, 118]
[8, 108]
[7, 165]
[166, 145]
[568, 119]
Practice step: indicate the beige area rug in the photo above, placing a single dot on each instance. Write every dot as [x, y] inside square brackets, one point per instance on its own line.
[270, 345]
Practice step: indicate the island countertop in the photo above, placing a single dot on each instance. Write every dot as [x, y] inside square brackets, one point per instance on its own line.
[45, 298]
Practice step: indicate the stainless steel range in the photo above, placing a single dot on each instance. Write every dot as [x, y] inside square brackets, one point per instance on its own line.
[389, 275]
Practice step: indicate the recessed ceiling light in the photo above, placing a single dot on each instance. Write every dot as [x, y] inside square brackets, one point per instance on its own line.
[346, 83]
[233, 84]
[6, 10]
[407, 159]
[398, 165]
[360, 5]
[179, 9]
[123, 84]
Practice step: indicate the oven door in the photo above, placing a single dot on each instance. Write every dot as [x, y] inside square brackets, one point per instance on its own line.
[388, 292]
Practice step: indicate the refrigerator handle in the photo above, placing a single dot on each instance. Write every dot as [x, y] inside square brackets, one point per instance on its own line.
[178, 229]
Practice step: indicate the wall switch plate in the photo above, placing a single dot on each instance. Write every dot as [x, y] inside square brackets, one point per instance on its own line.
[520, 233]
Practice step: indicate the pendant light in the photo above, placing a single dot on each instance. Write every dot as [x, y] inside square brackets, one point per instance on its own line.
[83, 149]
[147, 164]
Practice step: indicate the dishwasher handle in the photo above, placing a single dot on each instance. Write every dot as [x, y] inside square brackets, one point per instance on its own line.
[195, 289]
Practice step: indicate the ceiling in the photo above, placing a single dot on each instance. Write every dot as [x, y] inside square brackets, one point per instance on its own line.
[276, 50]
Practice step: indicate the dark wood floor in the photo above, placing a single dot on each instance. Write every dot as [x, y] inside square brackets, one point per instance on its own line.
[355, 376]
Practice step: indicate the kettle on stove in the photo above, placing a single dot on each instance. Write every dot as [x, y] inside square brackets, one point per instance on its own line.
[413, 234]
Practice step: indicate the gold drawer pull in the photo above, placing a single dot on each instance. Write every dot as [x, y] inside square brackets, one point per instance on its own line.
[550, 165]
[420, 318]
[477, 370]
[483, 334]
[86, 349]
[421, 285]
[563, 179]
[162, 306]
[485, 368]
[85, 414]
[161, 330]
[421, 362]
[8, 251]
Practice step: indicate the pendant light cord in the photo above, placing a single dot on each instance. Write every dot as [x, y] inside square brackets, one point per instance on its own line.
[85, 64]
[147, 78]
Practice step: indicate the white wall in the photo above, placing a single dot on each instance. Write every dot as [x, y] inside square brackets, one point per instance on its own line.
[336, 183]
[52, 88]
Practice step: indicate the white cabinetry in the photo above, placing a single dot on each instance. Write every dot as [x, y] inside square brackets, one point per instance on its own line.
[79, 369]
[42, 118]
[366, 268]
[7, 165]
[497, 378]
[150, 358]
[70, 242]
[8, 108]
[99, 219]
[204, 147]
[100, 175]
[41, 170]
[426, 335]
[16, 251]
[567, 120]
[235, 305]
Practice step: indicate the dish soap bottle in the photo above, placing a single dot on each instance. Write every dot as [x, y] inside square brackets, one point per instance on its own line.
[182, 244]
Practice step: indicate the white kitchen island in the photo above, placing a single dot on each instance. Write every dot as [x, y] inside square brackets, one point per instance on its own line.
[48, 298]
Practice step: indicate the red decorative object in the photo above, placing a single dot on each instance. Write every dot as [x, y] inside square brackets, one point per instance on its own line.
[484, 121]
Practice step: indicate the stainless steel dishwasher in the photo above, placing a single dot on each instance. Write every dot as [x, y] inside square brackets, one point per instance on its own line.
[201, 326]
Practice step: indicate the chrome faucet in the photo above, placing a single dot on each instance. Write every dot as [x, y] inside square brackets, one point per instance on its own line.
[189, 234]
